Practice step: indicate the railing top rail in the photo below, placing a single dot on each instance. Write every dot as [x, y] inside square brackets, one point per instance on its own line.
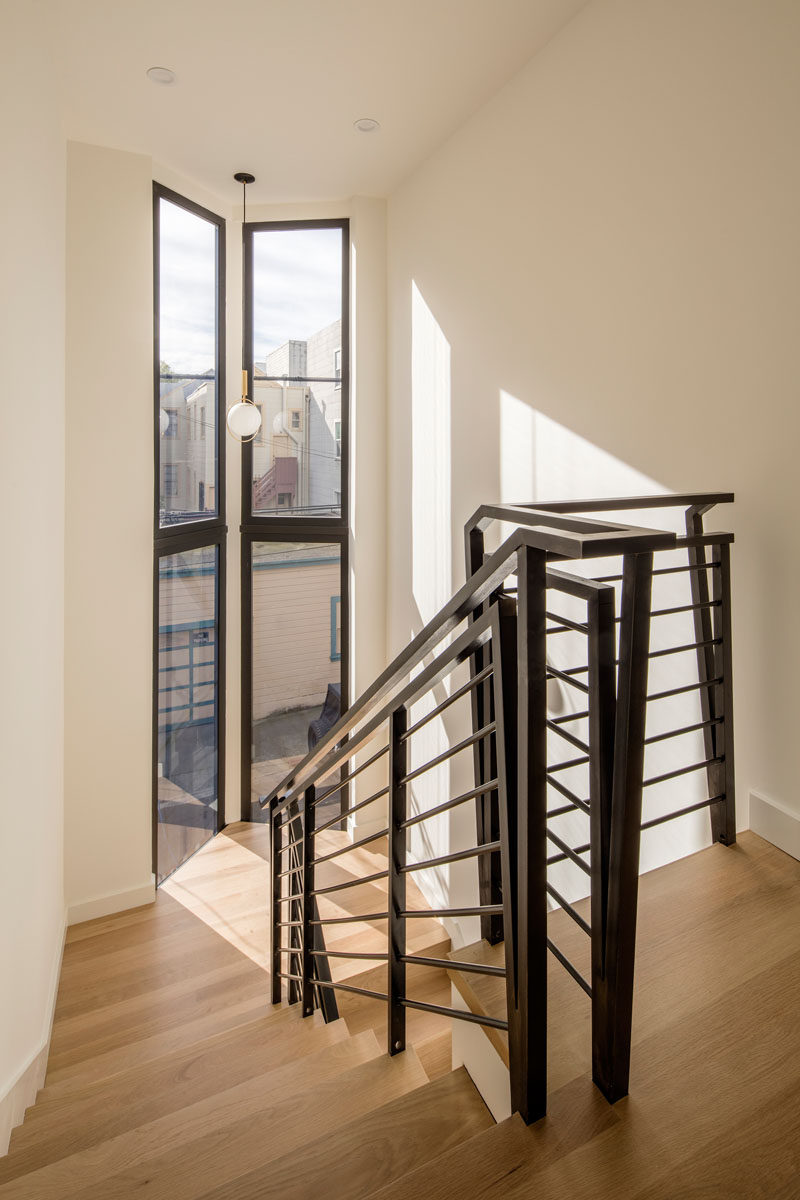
[704, 500]
[559, 538]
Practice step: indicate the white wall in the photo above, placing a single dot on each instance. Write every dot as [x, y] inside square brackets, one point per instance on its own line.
[610, 248]
[32, 594]
[109, 540]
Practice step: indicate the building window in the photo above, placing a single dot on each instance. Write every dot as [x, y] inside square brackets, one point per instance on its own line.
[203, 424]
[170, 479]
[172, 429]
[295, 418]
[337, 367]
[337, 439]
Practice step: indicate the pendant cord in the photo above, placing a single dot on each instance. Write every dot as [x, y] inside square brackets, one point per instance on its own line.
[244, 280]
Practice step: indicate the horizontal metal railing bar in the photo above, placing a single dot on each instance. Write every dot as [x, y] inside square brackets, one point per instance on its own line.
[452, 965]
[570, 762]
[288, 924]
[349, 811]
[552, 673]
[576, 975]
[373, 837]
[671, 733]
[656, 654]
[687, 567]
[569, 910]
[472, 638]
[557, 858]
[287, 899]
[663, 571]
[288, 975]
[456, 856]
[681, 608]
[689, 687]
[560, 812]
[490, 786]
[290, 871]
[295, 950]
[578, 716]
[569, 737]
[348, 883]
[291, 845]
[575, 585]
[331, 791]
[570, 853]
[708, 762]
[352, 920]
[371, 954]
[686, 648]
[450, 752]
[460, 1014]
[583, 805]
[464, 690]
[352, 809]
[348, 987]
[479, 910]
[682, 812]
[578, 626]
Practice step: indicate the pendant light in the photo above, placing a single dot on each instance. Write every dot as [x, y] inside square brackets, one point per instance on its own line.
[244, 418]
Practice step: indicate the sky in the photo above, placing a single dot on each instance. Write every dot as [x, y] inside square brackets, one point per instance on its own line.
[296, 282]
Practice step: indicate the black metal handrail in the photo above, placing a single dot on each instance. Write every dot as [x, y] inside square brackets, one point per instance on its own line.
[507, 648]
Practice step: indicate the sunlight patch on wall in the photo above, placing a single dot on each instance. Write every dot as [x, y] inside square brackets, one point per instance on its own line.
[430, 474]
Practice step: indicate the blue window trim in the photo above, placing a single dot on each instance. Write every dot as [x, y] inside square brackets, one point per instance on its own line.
[336, 653]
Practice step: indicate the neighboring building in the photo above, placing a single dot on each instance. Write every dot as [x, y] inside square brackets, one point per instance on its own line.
[188, 409]
[297, 453]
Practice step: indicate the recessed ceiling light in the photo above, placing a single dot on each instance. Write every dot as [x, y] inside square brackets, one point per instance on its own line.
[366, 125]
[161, 75]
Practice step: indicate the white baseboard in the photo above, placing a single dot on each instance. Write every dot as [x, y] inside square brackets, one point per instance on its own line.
[22, 1091]
[104, 906]
[777, 824]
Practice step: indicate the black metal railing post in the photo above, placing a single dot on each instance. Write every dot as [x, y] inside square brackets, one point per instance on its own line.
[307, 959]
[614, 996]
[276, 866]
[528, 1021]
[602, 702]
[484, 758]
[724, 814]
[716, 703]
[396, 890]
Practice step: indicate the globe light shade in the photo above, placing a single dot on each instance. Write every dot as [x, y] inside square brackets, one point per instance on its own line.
[163, 422]
[244, 421]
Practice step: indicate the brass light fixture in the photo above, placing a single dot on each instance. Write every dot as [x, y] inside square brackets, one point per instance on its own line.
[244, 418]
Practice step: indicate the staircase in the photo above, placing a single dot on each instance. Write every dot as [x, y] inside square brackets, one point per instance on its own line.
[169, 1074]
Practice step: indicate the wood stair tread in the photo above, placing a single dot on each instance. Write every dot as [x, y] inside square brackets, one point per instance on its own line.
[230, 1144]
[77, 1171]
[140, 1095]
[379, 1147]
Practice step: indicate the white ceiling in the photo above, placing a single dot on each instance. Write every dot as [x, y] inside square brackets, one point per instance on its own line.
[273, 86]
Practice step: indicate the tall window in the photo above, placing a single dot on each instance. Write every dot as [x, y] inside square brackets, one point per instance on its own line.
[189, 529]
[295, 497]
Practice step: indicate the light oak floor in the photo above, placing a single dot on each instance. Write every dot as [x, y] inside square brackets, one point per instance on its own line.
[171, 1076]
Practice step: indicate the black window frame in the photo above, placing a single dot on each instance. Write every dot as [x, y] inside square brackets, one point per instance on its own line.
[196, 534]
[277, 527]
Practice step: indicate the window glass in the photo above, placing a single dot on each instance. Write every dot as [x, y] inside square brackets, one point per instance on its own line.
[297, 355]
[188, 363]
[297, 650]
[187, 693]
